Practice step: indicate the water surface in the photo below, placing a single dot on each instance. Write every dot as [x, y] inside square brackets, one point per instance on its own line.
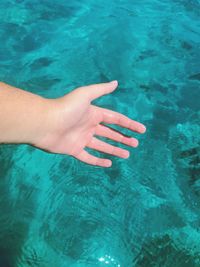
[144, 211]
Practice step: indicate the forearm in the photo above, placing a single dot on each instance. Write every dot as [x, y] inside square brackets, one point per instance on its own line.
[23, 115]
[65, 125]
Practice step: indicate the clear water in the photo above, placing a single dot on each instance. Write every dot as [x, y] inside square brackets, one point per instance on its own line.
[144, 211]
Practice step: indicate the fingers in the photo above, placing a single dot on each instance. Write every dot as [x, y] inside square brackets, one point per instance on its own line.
[90, 159]
[107, 148]
[105, 131]
[113, 117]
[96, 90]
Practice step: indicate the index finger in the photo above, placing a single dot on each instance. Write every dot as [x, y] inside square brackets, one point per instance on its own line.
[117, 118]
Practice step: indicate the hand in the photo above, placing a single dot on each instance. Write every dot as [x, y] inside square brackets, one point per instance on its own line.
[75, 122]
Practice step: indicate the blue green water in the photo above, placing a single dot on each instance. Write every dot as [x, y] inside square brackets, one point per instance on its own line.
[144, 211]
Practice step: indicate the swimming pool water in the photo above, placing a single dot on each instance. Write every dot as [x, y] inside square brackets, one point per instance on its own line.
[144, 211]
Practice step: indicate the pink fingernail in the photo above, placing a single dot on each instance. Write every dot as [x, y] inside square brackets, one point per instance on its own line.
[115, 82]
[126, 154]
[143, 128]
[108, 163]
[134, 142]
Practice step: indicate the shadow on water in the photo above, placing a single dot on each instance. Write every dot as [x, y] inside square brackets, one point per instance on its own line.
[13, 227]
[5, 260]
[156, 253]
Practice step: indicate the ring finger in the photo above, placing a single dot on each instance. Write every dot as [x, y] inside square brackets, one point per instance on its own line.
[107, 148]
[105, 131]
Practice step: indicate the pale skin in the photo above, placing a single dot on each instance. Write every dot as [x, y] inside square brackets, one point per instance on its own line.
[66, 125]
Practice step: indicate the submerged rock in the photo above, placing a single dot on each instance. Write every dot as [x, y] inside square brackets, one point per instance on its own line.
[195, 77]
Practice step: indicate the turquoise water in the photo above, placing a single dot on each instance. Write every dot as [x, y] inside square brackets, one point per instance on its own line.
[143, 211]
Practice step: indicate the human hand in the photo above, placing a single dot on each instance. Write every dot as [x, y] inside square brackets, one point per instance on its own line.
[74, 122]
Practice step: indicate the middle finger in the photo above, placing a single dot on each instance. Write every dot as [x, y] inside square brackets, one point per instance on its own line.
[105, 131]
[107, 148]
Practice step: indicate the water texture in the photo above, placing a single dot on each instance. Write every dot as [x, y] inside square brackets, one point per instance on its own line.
[144, 211]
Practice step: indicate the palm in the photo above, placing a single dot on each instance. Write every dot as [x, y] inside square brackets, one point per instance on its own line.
[80, 121]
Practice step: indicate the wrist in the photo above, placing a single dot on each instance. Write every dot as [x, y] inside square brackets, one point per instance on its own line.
[43, 121]
[24, 116]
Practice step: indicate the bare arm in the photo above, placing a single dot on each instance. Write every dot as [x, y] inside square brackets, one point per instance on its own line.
[66, 125]
[23, 115]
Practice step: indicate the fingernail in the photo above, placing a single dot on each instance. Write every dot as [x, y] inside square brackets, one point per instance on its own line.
[126, 154]
[134, 142]
[108, 163]
[143, 129]
[115, 82]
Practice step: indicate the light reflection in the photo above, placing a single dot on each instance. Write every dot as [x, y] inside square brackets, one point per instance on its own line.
[109, 260]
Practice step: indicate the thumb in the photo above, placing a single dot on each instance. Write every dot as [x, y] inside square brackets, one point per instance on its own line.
[97, 90]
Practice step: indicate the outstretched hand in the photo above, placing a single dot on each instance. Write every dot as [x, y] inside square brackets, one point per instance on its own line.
[75, 123]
